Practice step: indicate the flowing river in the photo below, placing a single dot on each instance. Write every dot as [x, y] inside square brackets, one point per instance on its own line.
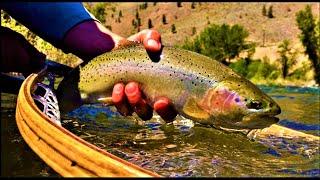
[181, 148]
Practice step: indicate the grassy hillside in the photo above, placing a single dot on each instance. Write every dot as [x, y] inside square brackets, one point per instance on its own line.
[190, 19]
[266, 32]
[282, 26]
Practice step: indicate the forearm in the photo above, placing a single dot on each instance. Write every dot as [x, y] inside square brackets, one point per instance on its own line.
[50, 21]
[90, 39]
[68, 26]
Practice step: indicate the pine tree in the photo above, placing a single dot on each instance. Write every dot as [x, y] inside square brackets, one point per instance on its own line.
[134, 24]
[109, 27]
[120, 13]
[310, 38]
[264, 10]
[193, 5]
[270, 12]
[150, 24]
[164, 20]
[173, 29]
[194, 31]
[139, 22]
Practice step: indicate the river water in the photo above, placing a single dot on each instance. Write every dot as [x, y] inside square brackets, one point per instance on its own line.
[181, 148]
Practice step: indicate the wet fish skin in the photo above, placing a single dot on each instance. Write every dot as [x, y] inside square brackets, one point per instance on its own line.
[200, 88]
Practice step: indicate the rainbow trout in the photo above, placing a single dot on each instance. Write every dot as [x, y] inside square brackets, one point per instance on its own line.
[200, 88]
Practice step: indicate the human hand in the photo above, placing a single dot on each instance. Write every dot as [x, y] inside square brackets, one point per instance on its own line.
[129, 98]
[18, 55]
[149, 38]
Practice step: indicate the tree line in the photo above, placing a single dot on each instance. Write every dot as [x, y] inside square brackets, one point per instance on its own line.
[225, 42]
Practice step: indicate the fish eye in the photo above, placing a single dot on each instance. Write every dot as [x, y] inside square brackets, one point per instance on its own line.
[254, 105]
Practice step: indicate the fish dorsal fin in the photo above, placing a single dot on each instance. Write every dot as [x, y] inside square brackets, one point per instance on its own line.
[192, 109]
[124, 44]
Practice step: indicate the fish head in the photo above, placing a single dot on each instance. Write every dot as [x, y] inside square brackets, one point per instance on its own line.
[236, 103]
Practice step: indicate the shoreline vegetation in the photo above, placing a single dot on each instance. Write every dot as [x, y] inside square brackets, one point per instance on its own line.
[282, 62]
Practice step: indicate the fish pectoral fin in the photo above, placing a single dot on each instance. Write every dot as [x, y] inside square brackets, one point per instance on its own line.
[192, 109]
[106, 101]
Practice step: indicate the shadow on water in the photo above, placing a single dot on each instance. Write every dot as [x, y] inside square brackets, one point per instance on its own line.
[17, 159]
[183, 148]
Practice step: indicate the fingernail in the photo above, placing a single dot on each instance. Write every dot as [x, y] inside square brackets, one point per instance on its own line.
[153, 43]
[131, 88]
[160, 104]
[118, 88]
[118, 93]
[132, 92]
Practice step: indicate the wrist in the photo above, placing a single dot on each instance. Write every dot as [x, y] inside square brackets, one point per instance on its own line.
[90, 39]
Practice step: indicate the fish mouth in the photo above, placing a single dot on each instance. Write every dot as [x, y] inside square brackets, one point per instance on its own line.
[258, 120]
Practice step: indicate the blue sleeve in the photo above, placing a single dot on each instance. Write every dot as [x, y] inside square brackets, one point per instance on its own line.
[50, 21]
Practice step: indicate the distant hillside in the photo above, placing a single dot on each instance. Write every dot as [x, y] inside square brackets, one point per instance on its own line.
[282, 26]
[266, 32]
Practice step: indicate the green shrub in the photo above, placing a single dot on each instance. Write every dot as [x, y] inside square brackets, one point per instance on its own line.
[98, 10]
[221, 42]
[241, 66]
[262, 70]
[300, 73]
